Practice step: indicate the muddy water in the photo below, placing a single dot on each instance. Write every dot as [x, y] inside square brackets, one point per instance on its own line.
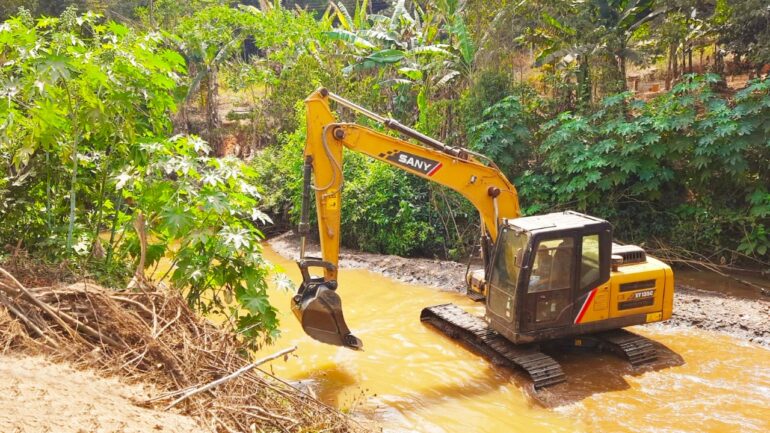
[411, 378]
[725, 285]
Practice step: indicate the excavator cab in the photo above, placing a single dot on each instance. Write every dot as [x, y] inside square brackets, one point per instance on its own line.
[543, 270]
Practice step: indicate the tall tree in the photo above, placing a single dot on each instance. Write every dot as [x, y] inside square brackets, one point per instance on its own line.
[747, 31]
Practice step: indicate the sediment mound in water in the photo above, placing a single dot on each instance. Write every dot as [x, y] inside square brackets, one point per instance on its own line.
[148, 336]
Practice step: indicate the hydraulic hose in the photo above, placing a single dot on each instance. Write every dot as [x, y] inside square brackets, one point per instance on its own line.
[304, 216]
[396, 126]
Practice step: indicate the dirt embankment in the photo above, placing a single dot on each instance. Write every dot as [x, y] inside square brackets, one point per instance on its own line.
[37, 396]
[144, 336]
[743, 318]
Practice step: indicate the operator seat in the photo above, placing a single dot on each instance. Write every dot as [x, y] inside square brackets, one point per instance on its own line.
[561, 269]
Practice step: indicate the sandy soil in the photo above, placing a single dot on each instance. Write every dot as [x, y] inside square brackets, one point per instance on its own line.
[745, 319]
[38, 396]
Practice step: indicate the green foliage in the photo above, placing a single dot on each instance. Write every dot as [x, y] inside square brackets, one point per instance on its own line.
[274, 56]
[393, 220]
[83, 102]
[488, 89]
[78, 94]
[746, 30]
[424, 48]
[503, 135]
[202, 212]
[689, 165]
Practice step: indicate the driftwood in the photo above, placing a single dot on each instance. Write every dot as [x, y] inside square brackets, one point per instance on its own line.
[711, 267]
[7, 303]
[701, 263]
[230, 376]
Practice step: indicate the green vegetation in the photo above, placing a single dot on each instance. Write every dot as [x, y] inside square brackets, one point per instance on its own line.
[625, 109]
[86, 162]
[689, 167]
[79, 96]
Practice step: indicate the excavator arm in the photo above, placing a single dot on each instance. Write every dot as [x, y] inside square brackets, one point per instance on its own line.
[316, 304]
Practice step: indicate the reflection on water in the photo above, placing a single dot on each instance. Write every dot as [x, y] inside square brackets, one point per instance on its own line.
[714, 282]
[412, 378]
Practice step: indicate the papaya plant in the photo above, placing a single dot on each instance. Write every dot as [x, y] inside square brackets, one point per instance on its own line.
[201, 213]
[78, 94]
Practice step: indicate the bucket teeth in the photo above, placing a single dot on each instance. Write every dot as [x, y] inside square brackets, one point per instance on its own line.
[319, 310]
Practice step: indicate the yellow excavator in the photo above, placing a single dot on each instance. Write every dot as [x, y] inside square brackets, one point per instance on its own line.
[547, 280]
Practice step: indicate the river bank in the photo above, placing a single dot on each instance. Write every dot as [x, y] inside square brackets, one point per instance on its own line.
[66, 352]
[746, 319]
[38, 395]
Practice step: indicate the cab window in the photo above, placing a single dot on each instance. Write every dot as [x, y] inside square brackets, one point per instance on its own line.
[553, 265]
[505, 274]
[589, 261]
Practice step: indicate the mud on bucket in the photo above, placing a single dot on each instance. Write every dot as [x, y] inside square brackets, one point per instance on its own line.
[319, 309]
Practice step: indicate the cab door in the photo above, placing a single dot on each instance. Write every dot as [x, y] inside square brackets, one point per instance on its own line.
[551, 283]
[504, 277]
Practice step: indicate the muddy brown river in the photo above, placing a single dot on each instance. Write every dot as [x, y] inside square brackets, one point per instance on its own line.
[412, 378]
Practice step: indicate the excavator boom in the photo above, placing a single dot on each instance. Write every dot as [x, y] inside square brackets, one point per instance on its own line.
[548, 280]
[316, 304]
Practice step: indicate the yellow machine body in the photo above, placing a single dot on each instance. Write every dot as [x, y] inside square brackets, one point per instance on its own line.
[635, 289]
[594, 284]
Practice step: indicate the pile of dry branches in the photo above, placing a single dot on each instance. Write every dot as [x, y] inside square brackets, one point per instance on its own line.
[152, 336]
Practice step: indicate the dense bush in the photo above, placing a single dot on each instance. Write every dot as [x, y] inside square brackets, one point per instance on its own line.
[89, 178]
[78, 95]
[200, 213]
[690, 167]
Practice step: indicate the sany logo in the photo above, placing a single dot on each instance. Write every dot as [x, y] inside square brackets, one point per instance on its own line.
[425, 166]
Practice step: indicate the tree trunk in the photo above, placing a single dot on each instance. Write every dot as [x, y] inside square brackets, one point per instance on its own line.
[668, 70]
[674, 62]
[684, 58]
[668, 67]
[213, 123]
[141, 232]
[719, 61]
[701, 60]
[584, 81]
[151, 12]
[624, 82]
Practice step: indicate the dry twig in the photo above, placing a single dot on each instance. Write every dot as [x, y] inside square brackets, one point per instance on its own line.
[231, 376]
[184, 352]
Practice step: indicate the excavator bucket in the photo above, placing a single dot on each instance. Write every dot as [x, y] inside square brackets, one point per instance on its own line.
[319, 309]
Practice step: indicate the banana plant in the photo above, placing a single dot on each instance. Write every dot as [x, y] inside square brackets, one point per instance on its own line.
[431, 45]
[573, 32]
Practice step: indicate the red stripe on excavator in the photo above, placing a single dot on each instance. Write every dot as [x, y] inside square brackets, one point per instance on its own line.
[585, 306]
[435, 169]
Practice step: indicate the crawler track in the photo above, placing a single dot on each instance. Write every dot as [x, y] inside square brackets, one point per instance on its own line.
[472, 330]
[541, 368]
[474, 296]
[636, 349]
